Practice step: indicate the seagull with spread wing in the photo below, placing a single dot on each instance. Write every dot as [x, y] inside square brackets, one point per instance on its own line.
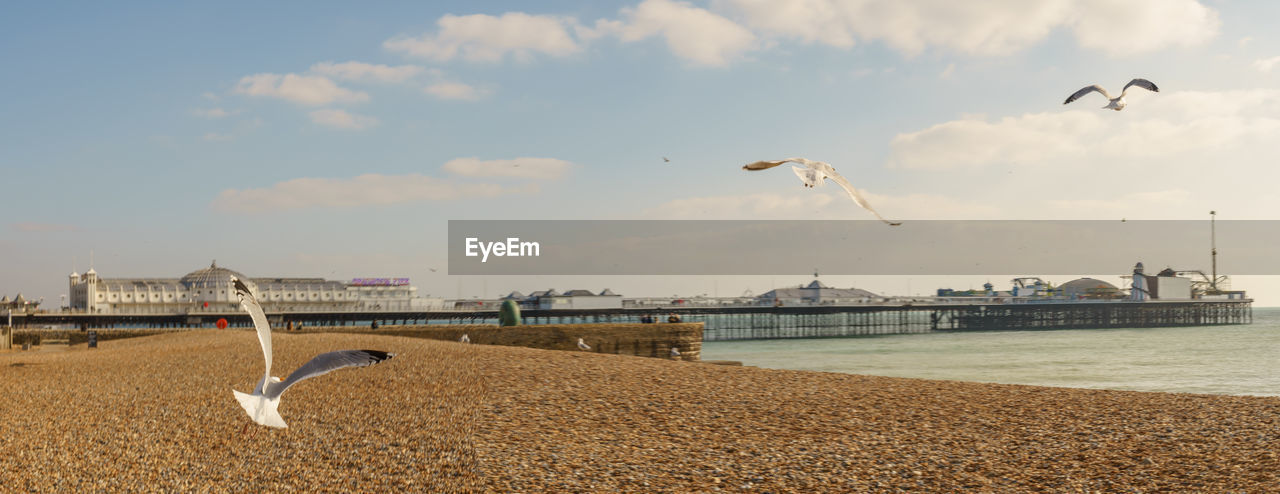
[1117, 103]
[263, 403]
[813, 176]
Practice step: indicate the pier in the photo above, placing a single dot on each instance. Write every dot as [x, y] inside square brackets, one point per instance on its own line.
[751, 322]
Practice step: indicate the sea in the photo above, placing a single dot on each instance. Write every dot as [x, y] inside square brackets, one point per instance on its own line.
[1232, 360]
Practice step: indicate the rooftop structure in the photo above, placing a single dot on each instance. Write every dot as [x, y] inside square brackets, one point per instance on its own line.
[570, 299]
[209, 290]
[817, 293]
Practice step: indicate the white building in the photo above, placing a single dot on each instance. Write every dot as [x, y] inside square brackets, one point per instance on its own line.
[209, 290]
[816, 293]
[572, 299]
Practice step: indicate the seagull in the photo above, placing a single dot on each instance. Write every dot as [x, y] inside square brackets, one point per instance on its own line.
[813, 177]
[464, 339]
[261, 405]
[665, 160]
[1116, 103]
[675, 352]
[582, 345]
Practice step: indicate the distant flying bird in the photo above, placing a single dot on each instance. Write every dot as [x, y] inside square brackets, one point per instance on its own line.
[813, 177]
[665, 160]
[262, 404]
[582, 345]
[464, 339]
[1117, 103]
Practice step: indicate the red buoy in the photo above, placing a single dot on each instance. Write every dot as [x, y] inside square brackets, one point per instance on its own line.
[222, 323]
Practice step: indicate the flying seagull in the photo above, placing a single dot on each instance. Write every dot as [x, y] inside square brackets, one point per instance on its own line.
[813, 177]
[464, 339]
[1117, 103]
[582, 345]
[665, 160]
[262, 404]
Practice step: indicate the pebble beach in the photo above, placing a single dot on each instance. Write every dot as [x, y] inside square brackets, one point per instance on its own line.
[156, 414]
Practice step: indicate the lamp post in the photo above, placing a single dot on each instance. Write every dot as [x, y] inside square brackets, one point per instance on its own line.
[1213, 250]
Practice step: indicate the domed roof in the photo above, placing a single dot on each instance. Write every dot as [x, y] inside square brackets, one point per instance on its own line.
[211, 277]
[1088, 287]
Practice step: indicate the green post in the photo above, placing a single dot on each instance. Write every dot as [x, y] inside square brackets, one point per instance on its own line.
[509, 315]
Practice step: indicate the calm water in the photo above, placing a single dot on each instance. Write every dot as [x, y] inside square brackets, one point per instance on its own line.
[1238, 360]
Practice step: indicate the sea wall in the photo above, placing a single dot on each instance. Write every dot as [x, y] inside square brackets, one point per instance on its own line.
[643, 340]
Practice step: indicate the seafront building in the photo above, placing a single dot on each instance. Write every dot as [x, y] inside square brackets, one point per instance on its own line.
[209, 290]
[571, 299]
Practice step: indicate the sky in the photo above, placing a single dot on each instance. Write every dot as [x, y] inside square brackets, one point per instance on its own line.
[337, 140]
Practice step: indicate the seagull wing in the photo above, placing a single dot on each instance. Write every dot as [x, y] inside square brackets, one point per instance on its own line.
[1086, 90]
[1142, 83]
[326, 363]
[250, 304]
[809, 176]
[856, 196]
[763, 165]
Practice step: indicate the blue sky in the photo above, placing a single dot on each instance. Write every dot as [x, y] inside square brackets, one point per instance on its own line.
[336, 140]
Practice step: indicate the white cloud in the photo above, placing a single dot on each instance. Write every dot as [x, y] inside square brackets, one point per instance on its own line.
[485, 38]
[359, 71]
[1137, 204]
[1138, 26]
[692, 33]
[454, 91]
[1266, 64]
[974, 141]
[537, 168]
[811, 205]
[1167, 125]
[342, 120]
[213, 112]
[822, 205]
[215, 137]
[302, 89]
[991, 27]
[1243, 42]
[364, 190]
[948, 72]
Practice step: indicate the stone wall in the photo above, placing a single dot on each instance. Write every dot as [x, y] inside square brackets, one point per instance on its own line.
[644, 340]
[75, 336]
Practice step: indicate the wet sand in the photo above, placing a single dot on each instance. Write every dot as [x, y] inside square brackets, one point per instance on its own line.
[157, 413]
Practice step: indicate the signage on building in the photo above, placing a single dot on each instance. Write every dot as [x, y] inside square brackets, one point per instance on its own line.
[380, 281]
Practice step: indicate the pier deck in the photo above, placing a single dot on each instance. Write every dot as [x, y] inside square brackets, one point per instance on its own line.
[754, 322]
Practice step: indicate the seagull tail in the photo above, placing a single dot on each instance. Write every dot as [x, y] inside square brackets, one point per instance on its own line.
[261, 409]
